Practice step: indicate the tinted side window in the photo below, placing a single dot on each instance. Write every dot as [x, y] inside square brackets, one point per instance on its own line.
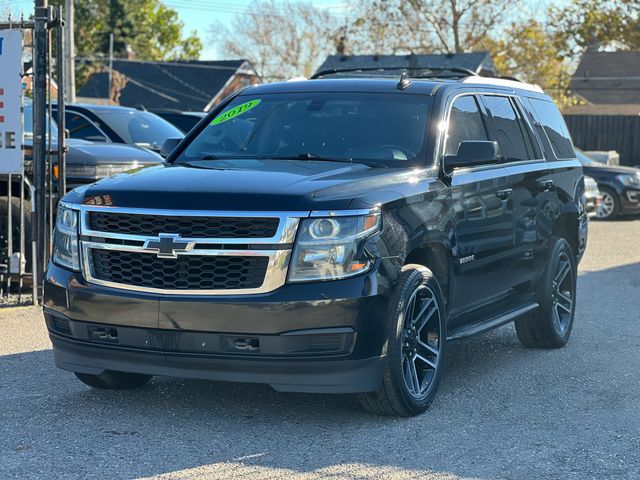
[80, 127]
[509, 130]
[465, 123]
[554, 127]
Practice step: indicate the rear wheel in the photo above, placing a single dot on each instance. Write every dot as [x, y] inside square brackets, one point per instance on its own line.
[610, 206]
[550, 325]
[415, 346]
[110, 380]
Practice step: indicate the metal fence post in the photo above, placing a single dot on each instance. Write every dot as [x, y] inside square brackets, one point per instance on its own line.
[40, 36]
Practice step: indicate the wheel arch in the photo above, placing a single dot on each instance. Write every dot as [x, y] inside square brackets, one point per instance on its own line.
[435, 257]
[567, 226]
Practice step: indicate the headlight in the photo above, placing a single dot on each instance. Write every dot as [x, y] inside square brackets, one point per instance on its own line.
[629, 179]
[96, 171]
[329, 248]
[65, 239]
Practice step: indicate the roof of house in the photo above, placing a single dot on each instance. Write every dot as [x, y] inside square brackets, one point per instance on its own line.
[608, 77]
[476, 61]
[183, 85]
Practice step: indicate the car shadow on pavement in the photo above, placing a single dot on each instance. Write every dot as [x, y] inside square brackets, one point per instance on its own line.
[496, 415]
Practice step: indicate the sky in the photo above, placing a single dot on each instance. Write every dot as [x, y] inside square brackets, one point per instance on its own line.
[199, 15]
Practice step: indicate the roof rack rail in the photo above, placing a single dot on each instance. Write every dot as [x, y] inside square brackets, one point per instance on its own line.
[332, 71]
[507, 77]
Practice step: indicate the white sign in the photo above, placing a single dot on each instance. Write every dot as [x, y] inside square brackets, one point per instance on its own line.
[10, 101]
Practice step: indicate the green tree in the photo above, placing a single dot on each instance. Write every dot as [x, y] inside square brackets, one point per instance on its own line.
[531, 52]
[146, 29]
[597, 24]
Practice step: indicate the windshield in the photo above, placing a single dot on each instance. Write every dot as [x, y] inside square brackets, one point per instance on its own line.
[377, 127]
[28, 121]
[141, 128]
[586, 161]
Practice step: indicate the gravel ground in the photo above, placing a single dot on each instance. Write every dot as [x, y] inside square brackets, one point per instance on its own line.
[502, 411]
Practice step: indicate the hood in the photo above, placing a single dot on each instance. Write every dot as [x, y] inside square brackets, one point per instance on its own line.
[83, 152]
[88, 153]
[256, 185]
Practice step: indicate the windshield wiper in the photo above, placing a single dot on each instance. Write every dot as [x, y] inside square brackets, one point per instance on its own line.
[313, 156]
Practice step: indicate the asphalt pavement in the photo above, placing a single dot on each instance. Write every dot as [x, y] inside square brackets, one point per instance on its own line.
[503, 411]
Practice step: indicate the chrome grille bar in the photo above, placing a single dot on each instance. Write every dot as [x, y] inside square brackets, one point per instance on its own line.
[277, 248]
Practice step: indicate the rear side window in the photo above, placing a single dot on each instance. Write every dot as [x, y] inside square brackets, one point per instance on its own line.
[465, 123]
[509, 130]
[554, 128]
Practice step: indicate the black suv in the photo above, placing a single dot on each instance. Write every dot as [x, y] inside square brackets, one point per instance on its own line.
[329, 235]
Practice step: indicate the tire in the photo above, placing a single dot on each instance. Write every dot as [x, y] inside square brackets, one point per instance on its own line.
[550, 325]
[110, 380]
[610, 207]
[416, 293]
[15, 227]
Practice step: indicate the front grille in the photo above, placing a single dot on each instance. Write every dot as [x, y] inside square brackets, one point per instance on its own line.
[188, 227]
[187, 272]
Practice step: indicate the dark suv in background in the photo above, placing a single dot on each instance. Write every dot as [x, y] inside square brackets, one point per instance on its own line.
[116, 124]
[330, 235]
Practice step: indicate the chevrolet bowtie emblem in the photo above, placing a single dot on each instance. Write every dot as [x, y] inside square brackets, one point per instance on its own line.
[168, 245]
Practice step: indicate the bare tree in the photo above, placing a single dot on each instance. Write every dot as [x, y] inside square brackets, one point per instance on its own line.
[454, 26]
[282, 39]
[425, 26]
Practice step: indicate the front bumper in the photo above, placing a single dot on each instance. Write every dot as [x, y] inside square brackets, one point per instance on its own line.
[630, 201]
[316, 337]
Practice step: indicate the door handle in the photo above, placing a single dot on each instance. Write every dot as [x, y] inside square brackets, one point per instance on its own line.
[545, 186]
[504, 194]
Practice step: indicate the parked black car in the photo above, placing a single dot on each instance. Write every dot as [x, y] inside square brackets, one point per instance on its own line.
[330, 235]
[619, 186]
[184, 121]
[115, 124]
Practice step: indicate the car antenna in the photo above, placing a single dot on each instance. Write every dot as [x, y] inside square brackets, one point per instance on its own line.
[404, 82]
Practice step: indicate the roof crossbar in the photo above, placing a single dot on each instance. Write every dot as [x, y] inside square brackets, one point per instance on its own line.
[461, 72]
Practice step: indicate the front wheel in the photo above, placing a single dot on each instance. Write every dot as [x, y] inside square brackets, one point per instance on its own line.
[416, 342]
[110, 380]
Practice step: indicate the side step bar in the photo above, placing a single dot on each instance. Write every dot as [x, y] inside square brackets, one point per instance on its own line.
[493, 322]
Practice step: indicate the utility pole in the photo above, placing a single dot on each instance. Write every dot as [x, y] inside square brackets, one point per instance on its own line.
[110, 65]
[40, 42]
[70, 52]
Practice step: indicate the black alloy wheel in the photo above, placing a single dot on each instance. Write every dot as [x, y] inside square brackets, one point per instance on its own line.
[563, 293]
[550, 325]
[421, 335]
[416, 344]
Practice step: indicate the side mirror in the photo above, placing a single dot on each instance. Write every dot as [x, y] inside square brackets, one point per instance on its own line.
[168, 145]
[472, 153]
